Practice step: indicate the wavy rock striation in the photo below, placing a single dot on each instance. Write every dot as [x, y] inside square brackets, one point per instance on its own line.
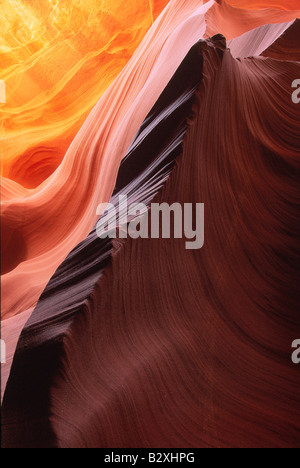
[141, 343]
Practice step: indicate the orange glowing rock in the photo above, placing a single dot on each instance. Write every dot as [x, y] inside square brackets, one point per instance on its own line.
[57, 58]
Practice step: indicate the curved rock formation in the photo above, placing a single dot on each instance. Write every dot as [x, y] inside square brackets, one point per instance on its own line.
[57, 59]
[87, 174]
[141, 343]
[287, 46]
